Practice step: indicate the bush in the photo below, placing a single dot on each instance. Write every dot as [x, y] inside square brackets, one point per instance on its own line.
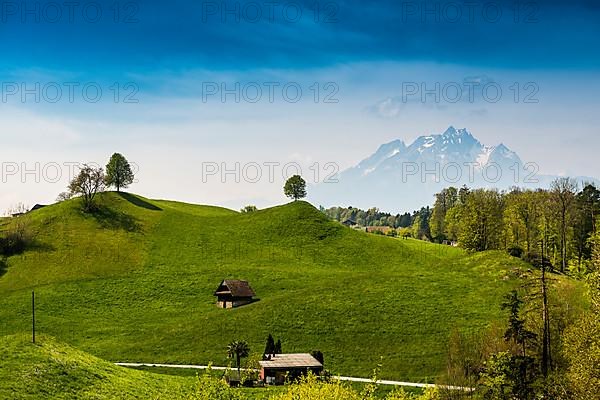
[310, 388]
[17, 238]
[515, 251]
[210, 388]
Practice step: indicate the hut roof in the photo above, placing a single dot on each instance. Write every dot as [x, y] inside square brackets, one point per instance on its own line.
[301, 360]
[235, 287]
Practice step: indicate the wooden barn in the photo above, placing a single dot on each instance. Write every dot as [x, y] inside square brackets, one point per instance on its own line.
[234, 293]
[276, 369]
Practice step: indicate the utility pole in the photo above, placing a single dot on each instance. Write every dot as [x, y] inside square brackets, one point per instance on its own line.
[33, 316]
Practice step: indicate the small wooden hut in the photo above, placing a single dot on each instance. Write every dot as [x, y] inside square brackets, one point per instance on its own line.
[234, 293]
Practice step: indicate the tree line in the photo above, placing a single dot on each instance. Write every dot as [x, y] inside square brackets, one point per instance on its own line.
[552, 226]
[372, 216]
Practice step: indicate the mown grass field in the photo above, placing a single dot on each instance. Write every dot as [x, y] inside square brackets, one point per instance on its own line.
[135, 283]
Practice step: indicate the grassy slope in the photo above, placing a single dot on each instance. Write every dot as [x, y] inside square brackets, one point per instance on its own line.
[51, 370]
[136, 283]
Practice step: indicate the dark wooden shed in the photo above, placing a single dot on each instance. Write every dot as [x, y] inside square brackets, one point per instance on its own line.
[234, 293]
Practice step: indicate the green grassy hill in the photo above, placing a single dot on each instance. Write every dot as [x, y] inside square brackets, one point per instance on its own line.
[135, 281]
[51, 370]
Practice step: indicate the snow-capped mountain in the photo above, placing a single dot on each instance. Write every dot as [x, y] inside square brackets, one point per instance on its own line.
[452, 146]
[400, 177]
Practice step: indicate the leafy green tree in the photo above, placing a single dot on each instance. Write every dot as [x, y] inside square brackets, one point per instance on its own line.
[521, 219]
[452, 222]
[238, 350]
[404, 232]
[563, 193]
[444, 201]
[295, 187]
[582, 341]
[481, 220]
[587, 208]
[87, 184]
[420, 226]
[118, 172]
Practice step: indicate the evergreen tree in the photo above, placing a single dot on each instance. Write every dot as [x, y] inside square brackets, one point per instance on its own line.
[270, 346]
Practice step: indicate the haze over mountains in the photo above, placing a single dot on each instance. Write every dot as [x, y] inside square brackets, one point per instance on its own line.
[400, 177]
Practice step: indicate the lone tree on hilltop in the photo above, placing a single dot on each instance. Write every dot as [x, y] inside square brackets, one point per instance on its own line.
[295, 187]
[87, 184]
[118, 172]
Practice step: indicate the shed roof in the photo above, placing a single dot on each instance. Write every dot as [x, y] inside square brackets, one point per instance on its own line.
[37, 207]
[236, 287]
[300, 360]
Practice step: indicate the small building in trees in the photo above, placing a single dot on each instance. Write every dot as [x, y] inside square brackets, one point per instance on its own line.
[234, 293]
[279, 367]
[349, 222]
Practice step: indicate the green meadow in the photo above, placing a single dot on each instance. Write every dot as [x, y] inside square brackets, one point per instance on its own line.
[134, 282]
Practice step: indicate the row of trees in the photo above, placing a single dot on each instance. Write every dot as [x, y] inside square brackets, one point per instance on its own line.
[554, 225]
[371, 217]
[92, 180]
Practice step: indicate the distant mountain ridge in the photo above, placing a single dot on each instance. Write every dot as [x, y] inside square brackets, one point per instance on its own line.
[453, 145]
[400, 177]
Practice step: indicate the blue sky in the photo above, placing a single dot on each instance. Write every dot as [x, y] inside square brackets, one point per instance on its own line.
[160, 57]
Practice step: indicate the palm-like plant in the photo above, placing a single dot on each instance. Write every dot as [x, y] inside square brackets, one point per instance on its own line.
[238, 349]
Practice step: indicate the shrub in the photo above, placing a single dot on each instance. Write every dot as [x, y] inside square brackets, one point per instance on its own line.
[210, 388]
[309, 388]
[17, 237]
[515, 251]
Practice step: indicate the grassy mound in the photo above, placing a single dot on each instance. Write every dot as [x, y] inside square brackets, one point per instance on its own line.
[51, 370]
[134, 282]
